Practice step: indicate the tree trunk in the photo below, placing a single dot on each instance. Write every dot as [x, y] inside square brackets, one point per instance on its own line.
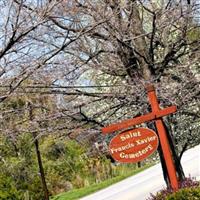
[139, 164]
[39, 159]
[41, 169]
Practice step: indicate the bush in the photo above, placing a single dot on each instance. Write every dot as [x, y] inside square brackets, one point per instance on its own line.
[7, 189]
[185, 194]
[187, 191]
[66, 165]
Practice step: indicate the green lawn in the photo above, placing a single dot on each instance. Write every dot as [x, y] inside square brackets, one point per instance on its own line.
[78, 193]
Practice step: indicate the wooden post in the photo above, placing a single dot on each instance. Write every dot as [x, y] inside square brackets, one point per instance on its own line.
[163, 138]
[156, 114]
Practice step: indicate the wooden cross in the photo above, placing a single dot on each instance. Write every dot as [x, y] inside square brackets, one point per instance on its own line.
[156, 114]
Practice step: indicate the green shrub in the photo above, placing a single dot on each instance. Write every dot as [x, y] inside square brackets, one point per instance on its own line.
[66, 165]
[7, 189]
[185, 194]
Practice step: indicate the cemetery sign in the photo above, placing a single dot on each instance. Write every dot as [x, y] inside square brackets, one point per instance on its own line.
[133, 145]
[156, 115]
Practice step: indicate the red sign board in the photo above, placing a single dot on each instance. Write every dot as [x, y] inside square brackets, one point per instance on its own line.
[133, 145]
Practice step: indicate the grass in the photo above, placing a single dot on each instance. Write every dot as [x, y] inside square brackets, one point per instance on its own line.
[78, 193]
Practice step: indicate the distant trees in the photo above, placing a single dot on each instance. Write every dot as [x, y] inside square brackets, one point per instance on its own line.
[45, 46]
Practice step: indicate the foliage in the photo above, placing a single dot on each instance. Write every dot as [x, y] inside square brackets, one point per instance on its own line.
[188, 188]
[8, 189]
[185, 194]
[20, 168]
[66, 164]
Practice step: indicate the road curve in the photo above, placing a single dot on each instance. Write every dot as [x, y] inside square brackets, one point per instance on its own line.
[139, 187]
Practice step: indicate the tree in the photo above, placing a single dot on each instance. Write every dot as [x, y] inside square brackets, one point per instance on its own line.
[139, 42]
[125, 44]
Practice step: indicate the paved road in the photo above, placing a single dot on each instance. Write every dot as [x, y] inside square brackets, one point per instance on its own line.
[151, 180]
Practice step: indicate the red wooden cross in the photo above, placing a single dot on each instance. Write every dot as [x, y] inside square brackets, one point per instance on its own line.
[156, 115]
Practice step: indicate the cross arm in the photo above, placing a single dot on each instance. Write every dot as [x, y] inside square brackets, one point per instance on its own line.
[138, 120]
[127, 123]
